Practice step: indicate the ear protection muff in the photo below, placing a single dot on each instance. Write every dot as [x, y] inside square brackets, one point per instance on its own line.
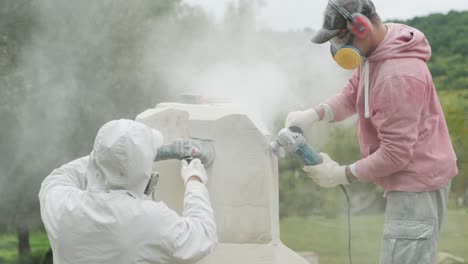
[360, 27]
[358, 24]
[348, 56]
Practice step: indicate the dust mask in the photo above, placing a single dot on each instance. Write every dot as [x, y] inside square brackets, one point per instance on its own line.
[344, 53]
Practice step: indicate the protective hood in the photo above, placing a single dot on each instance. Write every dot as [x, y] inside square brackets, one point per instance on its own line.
[402, 41]
[122, 157]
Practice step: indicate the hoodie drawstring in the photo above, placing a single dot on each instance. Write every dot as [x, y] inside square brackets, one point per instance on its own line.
[366, 89]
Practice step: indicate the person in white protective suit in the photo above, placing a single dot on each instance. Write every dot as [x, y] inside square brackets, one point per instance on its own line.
[94, 208]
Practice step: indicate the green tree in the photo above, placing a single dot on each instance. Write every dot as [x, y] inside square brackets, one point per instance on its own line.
[65, 69]
[455, 105]
[447, 35]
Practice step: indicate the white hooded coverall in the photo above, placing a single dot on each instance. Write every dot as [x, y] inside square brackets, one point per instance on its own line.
[93, 210]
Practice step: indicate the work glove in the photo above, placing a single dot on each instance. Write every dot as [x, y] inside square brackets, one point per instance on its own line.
[194, 168]
[302, 119]
[328, 173]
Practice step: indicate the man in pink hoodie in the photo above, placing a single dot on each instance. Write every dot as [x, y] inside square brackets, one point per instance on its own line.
[403, 137]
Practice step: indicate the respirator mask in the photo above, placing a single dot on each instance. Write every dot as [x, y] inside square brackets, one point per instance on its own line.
[152, 182]
[344, 53]
[357, 26]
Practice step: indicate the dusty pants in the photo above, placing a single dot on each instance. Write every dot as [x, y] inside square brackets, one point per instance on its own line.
[412, 226]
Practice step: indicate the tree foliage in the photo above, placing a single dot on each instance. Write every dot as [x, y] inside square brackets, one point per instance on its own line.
[65, 69]
[447, 34]
[455, 106]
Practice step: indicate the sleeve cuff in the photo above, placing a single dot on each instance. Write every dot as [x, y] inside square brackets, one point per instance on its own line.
[352, 168]
[329, 115]
[193, 184]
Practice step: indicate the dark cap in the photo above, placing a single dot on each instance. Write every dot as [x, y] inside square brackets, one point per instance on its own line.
[334, 22]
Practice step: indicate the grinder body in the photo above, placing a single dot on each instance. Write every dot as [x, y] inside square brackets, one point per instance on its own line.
[188, 149]
[292, 140]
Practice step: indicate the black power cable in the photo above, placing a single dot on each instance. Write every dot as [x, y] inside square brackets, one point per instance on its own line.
[349, 221]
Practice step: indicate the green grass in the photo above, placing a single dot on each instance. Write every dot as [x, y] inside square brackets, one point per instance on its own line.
[455, 234]
[326, 237]
[9, 248]
[329, 237]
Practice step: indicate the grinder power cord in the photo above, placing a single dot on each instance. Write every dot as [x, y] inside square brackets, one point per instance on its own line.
[293, 141]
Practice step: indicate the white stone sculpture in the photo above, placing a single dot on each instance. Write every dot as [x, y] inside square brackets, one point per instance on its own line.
[243, 180]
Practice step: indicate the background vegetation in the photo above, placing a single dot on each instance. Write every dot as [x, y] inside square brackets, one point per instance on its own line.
[67, 68]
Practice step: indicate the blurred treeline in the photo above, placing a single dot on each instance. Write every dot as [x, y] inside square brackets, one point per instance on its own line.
[66, 68]
[448, 36]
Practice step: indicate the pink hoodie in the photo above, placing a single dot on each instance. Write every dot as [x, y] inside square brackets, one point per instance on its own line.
[404, 140]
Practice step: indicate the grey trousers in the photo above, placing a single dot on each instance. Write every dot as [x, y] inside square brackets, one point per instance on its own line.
[412, 226]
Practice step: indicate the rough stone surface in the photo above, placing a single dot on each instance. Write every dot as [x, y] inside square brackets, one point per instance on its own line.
[243, 180]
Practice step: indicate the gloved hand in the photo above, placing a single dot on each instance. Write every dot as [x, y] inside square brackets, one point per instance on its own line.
[194, 168]
[328, 173]
[302, 119]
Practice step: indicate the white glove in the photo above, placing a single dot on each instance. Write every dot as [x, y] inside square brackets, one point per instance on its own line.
[302, 119]
[194, 168]
[328, 173]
